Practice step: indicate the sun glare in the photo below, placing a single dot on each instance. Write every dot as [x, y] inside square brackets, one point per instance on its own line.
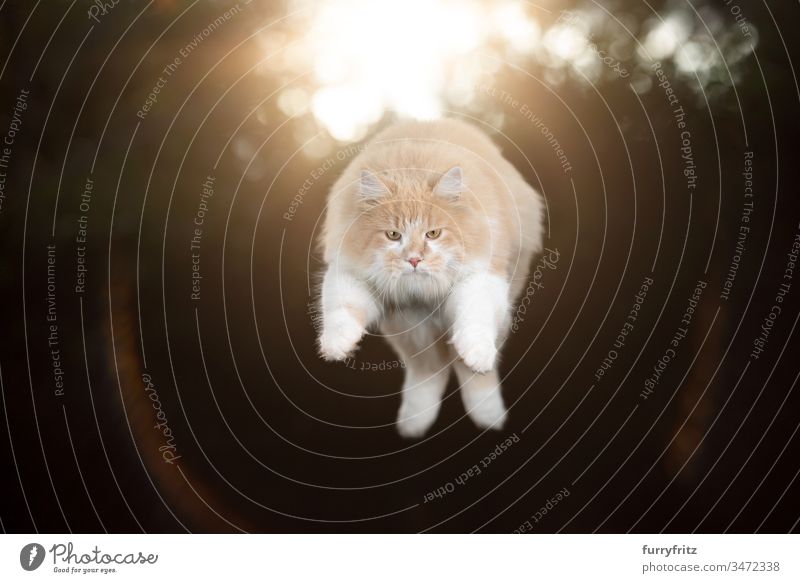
[358, 59]
[372, 56]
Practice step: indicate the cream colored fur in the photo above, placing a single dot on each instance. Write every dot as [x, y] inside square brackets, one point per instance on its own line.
[428, 235]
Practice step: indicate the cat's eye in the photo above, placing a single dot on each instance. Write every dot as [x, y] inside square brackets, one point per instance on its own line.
[393, 235]
[433, 234]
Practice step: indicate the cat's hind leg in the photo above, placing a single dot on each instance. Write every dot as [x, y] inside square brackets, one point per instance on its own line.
[481, 396]
[427, 369]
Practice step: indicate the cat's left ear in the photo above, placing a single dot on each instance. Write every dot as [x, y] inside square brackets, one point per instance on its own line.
[451, 184]
[370, 187]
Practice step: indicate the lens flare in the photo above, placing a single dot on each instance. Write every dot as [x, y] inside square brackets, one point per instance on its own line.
[410, 58]
[359, 59]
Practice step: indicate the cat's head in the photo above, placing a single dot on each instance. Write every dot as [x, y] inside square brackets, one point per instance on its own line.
[410, 231]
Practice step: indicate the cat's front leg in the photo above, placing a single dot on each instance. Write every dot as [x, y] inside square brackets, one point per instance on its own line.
[347, 309]
[478, 307]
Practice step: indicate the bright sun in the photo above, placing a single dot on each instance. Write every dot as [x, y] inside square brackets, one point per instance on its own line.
[411, 57]
[348, 62]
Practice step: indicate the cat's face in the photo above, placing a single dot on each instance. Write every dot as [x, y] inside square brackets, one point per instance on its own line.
[413, 244]
[410, 240]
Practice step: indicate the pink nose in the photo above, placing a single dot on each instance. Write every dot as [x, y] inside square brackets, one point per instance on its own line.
[414, 261]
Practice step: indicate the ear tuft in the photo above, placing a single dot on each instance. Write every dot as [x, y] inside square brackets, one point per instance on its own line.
[451, 184]
[371, 187]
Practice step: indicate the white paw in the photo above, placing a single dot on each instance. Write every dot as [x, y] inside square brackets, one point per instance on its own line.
[489, 412]
[340, 335]
[413, 422]
[476, 348]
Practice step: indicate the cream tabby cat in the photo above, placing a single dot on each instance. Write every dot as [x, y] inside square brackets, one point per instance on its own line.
[429, 234]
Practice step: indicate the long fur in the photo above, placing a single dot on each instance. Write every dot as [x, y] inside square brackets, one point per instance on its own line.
[467, 227]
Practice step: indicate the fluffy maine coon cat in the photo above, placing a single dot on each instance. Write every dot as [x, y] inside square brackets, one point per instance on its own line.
[429, 234]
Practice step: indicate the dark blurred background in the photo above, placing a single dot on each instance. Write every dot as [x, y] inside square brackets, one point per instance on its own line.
[159, 374]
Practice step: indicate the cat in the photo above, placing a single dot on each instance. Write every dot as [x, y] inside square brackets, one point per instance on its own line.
[429, 233]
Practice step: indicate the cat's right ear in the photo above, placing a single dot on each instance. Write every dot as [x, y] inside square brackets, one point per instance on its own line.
[370, 187]
[451, 184]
